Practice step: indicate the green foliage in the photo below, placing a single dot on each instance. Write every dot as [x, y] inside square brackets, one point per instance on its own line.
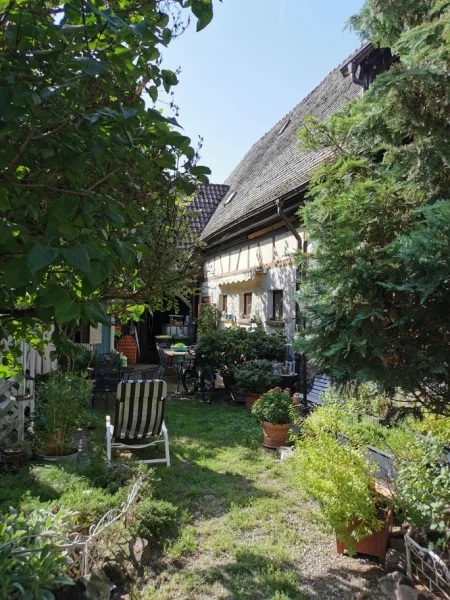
[31, 564]
[275, 406]
[155, 520]
[228, 347]
[422, 491]
[93, 180]
[60, 404]
[434, 425]
[375, 291]
[255, 376]
[340, 478]
[207, 320]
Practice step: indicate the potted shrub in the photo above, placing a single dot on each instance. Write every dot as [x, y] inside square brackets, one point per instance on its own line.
[340, 477]
[274, 411]
[254, 378]
[61, 403]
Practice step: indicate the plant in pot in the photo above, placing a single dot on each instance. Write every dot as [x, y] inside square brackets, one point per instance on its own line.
[61, 404]
[340, 478]
[274, 411]
[254, 378]
[16, 451]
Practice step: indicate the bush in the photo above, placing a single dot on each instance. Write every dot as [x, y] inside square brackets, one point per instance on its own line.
[32, 574]
[275, 406]
[255, 376]
[434, 425]
[340, 478]
[61, 403]
[155, 520]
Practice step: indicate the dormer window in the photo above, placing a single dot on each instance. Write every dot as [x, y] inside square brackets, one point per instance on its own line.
[367, 64]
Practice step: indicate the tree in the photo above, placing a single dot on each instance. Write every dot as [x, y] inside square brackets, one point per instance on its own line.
[93, 183]
[376, 290]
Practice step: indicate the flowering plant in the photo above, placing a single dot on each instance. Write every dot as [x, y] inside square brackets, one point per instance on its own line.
[274, 406]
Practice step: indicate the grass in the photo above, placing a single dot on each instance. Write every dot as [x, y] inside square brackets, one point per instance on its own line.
[238, 533]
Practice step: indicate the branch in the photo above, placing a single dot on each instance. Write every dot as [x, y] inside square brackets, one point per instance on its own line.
[100, 181]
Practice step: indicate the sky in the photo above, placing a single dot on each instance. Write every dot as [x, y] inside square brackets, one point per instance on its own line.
[250, 66]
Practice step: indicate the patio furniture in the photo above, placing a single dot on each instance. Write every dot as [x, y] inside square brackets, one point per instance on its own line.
[139, 419]
[155, 372]
[321, 382]
[107, 375]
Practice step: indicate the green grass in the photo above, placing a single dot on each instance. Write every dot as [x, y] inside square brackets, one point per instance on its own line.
[238, 535]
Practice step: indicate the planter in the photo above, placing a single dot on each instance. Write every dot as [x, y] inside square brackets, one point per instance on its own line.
[228, 381]
[250, 400]
[375, 544]
[275, 435]
[13, 456]
[68, 459]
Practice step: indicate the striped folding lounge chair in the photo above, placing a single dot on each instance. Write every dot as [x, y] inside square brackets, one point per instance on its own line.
[139, 420]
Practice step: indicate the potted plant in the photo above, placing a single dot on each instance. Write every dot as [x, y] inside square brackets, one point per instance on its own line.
[61, 404]
[15, 451]
[274, 410]
[254, 378]
[340, 477]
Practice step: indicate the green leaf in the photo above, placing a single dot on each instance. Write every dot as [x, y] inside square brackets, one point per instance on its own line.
[95, 313]
[67, 311]
[203, 10]
[41, 256]
[4, 201]
[199, 170]
[77, 257]
[122, 250]
[53, 296]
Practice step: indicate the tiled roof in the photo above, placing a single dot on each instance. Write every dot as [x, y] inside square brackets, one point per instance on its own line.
[274, 166]
[205, 203]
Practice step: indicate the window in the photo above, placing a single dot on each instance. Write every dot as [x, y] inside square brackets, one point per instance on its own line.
[81, 335]
[277, 305]
[230, 198]
[225, 304]
[247, 305]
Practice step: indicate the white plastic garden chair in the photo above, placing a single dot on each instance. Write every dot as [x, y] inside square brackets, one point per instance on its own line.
[139, 420]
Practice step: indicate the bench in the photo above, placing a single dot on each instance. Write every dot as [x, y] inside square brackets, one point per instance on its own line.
[321, 383]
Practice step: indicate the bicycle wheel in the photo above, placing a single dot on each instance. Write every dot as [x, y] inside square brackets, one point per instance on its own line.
[189, 381]
[207, 386]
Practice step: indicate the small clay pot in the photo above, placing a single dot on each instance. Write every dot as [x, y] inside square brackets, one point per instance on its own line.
[250, 400]
[275, 435]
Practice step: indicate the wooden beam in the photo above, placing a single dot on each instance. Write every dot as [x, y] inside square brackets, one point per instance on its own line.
[265, 230]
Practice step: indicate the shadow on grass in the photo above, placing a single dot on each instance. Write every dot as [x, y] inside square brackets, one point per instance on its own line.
[344, 583]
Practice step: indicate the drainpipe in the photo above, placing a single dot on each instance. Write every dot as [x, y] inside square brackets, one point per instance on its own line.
[302, 246]
[288, 224]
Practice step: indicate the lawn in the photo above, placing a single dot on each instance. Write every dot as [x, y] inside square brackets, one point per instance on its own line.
[238, 528]
[243, 530]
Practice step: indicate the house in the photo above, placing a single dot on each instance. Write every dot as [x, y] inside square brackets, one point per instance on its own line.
[253, 235]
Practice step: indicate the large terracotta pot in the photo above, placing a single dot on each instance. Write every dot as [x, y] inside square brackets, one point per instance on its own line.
[375, 544]
[228, 381]
[250, 400]
[275, 435]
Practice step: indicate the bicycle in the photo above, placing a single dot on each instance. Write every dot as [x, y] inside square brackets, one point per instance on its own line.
[196, 378]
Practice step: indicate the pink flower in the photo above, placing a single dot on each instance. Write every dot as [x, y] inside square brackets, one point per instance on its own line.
[288, 390]
[276, 389]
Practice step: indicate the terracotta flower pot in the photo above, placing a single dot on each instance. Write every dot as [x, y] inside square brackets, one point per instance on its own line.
[228, 381]
[275, 435]
[376, 543]
[250, 400]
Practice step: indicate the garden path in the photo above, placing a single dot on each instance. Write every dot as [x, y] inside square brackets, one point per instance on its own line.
[244, 531]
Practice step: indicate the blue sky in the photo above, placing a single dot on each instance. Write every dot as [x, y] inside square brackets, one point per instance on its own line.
[253, 63]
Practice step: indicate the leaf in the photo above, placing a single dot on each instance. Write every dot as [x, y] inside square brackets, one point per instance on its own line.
[122, 250]
[77, 257]
[4, 201]
[95, 313]
[54, 295]
[199, 170]
[41, 256]
[67, 311]
[203, 10]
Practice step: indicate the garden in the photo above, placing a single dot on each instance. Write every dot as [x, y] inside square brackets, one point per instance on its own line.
[359, 477]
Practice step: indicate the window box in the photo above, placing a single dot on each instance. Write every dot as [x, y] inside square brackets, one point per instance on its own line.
[274, 323]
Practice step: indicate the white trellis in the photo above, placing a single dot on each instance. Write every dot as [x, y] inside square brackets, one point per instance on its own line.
[428, 569]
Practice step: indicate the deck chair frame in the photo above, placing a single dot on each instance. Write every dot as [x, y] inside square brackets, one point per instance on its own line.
[139, 417]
